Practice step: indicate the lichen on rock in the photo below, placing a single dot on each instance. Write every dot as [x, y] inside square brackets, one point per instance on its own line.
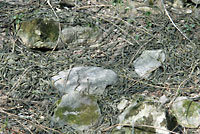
[39, 33]
[79, 111]
[143, 112]
[187, 112]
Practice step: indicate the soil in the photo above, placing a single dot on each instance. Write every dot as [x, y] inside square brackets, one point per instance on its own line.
[27, 97]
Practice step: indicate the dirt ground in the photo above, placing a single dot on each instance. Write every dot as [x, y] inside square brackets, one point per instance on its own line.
[27, 98]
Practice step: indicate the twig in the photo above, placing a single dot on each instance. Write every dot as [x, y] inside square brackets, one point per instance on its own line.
[133, 57]
[24, 126]
[155, 86]
[122, 30]
[129, 125]
[20, 79]
[175, 24]
[40, 126]
[59, 26]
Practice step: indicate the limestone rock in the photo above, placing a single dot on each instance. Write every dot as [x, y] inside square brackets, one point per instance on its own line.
[149, 61]
[79, 85]
[79, 35]
[44, 33]
[123, 103]
[187, 112]
[78, 110]
[88, 80]
[163, 99]
[143, 112]
[1, 42]
[197, 13]
[196, 1]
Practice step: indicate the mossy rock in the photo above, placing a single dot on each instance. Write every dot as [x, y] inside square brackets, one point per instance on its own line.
[79, 111]
[39, 33]
[141, 113]
[186, 112]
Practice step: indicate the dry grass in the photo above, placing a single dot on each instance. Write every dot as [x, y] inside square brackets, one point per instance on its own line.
[27, 99]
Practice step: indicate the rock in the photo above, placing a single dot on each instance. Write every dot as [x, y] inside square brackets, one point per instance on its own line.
[67, 3]
[79, 85]
[1, 42]
[149, 61]
[178, 4]
[39, 33]
[187, 112]
[127, 8]
[123, 103]
[148, 9]
[43, 34]
[88, 80]
[12, 58]
[143, 112]
[79, 35]
[196, 2]
[197, 13]
[163, 99]
[78, 110]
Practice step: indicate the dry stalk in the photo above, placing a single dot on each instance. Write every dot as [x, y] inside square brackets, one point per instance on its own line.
[122, 30]
[59, 26]
[155, 86]
[175, 24]
[24, 126]
[118, 18]
[20, 79]
[148, 126]
[2, 110]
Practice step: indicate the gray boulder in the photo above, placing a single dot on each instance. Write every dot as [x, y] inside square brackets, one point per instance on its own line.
[88, 80]
[79, 87]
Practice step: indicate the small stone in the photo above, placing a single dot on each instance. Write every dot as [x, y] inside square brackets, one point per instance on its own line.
[79, 35]
[178, 4]
[123, 103]
[148, 61]
[197, 13]
[67, 3]
[189, 11]
[163, 99]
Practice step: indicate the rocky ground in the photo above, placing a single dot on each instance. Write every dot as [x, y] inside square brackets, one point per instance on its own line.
[27, 97]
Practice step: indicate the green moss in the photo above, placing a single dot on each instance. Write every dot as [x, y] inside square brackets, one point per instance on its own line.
[82, 115]
[145, 121]
[49, 29]
[86, 117]
[134, 110]
[40, 30]
[138, 100]
[190, 107]
[59, 112]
